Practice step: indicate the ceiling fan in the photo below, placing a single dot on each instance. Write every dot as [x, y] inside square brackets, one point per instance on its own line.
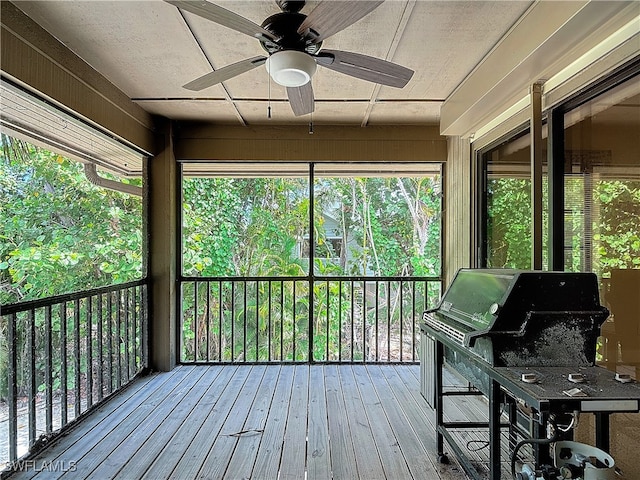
[293, 42]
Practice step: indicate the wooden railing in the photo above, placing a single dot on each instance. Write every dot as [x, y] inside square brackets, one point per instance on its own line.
[64, 354]
[295, 319]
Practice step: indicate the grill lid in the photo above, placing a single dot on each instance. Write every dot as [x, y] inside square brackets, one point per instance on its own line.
[513, 303]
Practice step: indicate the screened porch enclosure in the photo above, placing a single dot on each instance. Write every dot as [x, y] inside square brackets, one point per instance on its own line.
[353, 319]
[307, 262]
[65, 355]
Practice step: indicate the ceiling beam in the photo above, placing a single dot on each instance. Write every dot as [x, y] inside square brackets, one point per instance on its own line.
[328, 143]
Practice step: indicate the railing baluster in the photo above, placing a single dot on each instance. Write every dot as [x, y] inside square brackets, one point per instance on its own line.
[100, 378]
[401, 313]
[326, 358]
[294, 302]
[76, 354]
[413, 321]
[134, 334]
[340, 320]
[48, 372]
[110, 340]
[233, 316]
[364, 321]
[31, 346]
[220, 330]
[281, 320]
[208, 323]
[195, 329]
[12, 340]
[144, 327]
[270, 285]
[126, 335]
[388, 320]
[89, 352]
[119, 339]
[63, 365]
[244, 323]
[257, 319]
[377, 318]
[353, 318]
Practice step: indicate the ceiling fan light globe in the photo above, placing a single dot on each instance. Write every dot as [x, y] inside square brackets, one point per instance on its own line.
[291, 68]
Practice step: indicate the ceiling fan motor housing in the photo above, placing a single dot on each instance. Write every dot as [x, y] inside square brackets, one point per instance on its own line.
[284, 26]
[290, 5]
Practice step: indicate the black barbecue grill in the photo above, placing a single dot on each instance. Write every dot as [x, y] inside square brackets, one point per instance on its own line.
[521, 338]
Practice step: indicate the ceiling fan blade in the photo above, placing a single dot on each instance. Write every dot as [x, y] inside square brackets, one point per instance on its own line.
[330, 16]
[224, 17]
[365, 67]
[301, 99]
[224, 73]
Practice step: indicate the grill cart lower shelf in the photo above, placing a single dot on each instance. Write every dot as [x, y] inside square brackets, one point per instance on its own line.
[526, 405]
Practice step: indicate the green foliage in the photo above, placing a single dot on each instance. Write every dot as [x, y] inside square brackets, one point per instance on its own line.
[614, 215]
[59, 232]
[258, 228]
[617, 234]
[509, 223]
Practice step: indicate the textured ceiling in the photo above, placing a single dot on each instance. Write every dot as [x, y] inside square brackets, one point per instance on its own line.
[149, 49]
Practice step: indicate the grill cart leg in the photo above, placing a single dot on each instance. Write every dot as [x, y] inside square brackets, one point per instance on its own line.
[442, 457]
[494, 430]
[602, 431]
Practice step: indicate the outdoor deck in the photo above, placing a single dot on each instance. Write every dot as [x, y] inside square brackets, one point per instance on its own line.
[260, 422]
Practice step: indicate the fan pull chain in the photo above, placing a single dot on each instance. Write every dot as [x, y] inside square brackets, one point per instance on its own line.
[311, 124]
[269, 104]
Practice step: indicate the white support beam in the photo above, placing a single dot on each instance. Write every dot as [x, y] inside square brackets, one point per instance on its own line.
[536, 175]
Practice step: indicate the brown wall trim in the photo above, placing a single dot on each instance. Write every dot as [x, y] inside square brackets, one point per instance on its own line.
[328, 143]
[36, 60]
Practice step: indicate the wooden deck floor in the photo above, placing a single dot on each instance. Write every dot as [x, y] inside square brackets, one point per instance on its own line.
[259, 422]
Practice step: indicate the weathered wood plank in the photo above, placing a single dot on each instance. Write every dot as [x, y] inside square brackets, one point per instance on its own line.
[367, 456]
[268, 459]
[293, 463]
[176, 417]
[103, 439]
[358, 422]
[412, 429]
[343, 457]
[105, 417]
[191, 461]
[243, 459]
[318, 459]
[415, 410]
[115, 451]
[215, 463]
[179, 442]
[387, 445]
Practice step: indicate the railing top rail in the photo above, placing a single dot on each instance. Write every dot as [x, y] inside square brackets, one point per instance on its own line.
[18, 307]
[360, 278]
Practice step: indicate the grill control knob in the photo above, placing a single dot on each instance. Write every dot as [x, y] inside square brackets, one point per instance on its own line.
[623, 378]
[494, 308]
[576, 378]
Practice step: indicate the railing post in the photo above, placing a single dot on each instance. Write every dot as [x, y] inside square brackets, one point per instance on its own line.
[312, 250]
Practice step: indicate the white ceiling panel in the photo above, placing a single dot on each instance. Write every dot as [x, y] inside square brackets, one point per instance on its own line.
[150, 49]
